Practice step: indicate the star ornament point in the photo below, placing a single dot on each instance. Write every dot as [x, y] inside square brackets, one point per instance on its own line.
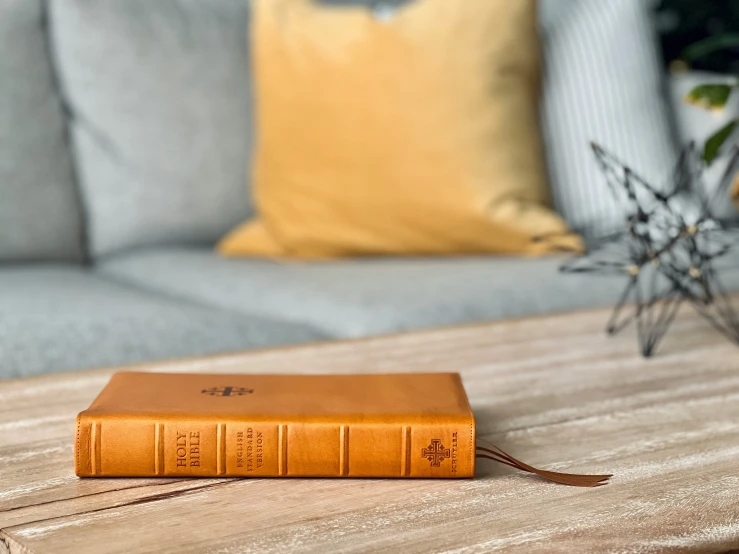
[667, 249]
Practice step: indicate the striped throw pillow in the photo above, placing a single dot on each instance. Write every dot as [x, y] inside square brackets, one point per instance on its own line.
[603, 82]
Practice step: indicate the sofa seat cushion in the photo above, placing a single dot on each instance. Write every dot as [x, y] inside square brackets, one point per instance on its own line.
[372, 295]
[56, 317]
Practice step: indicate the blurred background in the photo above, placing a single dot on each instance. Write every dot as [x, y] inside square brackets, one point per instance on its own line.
[682, 23]
[134, 227]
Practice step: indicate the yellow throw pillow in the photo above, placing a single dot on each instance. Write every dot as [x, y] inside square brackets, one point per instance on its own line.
[410, 134]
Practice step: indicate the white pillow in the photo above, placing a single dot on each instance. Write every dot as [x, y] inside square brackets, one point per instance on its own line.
[697, 124]
[603, 82]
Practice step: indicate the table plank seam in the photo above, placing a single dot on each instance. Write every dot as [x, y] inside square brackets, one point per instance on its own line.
[154, 498]
[108, 491]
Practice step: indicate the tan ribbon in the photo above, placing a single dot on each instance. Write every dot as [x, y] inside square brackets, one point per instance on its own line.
[575, 480]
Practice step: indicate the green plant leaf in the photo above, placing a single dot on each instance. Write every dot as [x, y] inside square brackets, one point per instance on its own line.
[714, 143]
[711, 97]
[710, 44]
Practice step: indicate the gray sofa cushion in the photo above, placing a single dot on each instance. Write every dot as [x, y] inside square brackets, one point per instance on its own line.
[55, 318]
[159, 97]
[369, 296]
[39, 211]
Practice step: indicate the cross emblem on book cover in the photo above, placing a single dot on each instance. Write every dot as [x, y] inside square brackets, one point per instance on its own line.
[435, 453]
[227, 391]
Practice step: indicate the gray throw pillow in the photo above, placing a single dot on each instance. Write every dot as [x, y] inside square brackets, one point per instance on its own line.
[39, 210]
[159, 96]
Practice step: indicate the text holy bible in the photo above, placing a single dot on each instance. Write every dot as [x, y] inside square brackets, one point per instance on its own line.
[394, 425]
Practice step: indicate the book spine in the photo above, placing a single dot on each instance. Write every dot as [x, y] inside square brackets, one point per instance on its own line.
[139, 447]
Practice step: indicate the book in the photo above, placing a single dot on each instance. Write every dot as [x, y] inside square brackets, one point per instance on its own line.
[166, 424]
[194, 425]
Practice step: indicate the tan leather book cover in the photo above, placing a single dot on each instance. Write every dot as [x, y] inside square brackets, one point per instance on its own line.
[166, 424]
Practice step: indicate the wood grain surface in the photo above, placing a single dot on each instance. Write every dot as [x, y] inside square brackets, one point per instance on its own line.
[553, 391]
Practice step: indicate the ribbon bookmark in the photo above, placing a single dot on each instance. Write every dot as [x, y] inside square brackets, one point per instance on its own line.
[575, 480]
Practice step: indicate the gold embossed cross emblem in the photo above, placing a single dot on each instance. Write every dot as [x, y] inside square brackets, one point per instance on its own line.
[227, 391]
[435, 453]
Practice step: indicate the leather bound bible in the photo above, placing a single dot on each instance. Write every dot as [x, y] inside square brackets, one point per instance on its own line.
[164, 424]
[395, 425]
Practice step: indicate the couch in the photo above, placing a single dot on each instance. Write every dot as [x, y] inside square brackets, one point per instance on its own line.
[124, 158]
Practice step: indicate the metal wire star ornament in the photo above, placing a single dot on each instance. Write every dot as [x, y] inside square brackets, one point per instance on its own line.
[667, 249]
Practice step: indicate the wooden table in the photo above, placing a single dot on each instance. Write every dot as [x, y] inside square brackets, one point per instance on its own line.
[553, 391]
